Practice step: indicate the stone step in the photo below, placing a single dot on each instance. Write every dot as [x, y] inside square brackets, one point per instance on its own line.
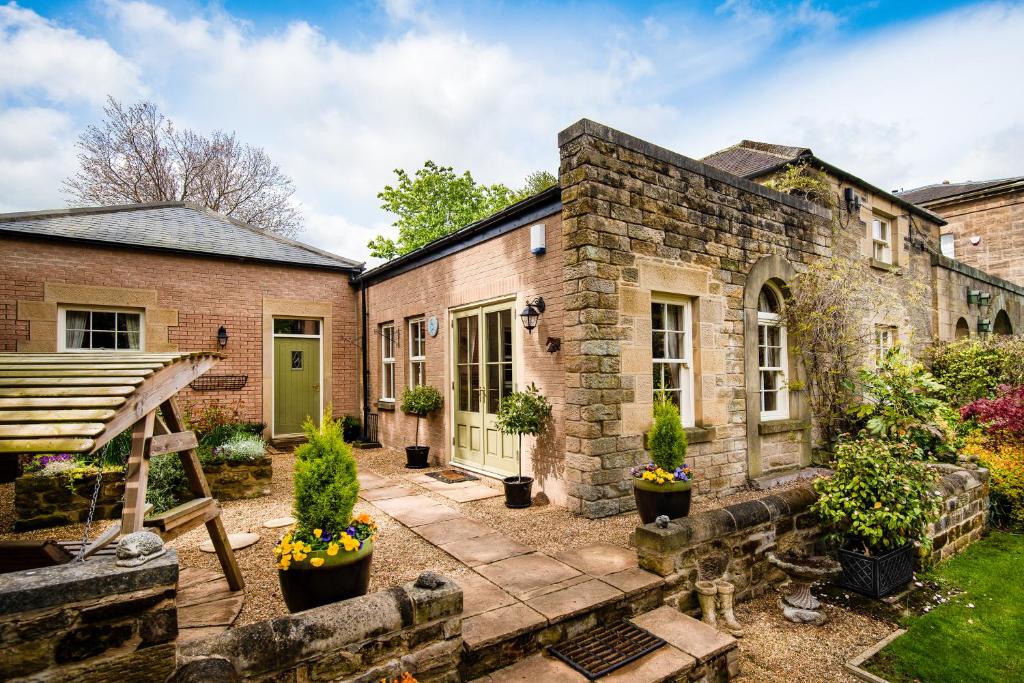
[694, 651]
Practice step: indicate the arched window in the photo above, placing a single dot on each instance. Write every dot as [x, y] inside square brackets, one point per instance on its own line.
[772, 358]
[1002, 324]
[963, 330]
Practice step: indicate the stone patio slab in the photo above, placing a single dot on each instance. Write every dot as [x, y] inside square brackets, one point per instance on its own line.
[632, 580]
[385, 492]
[499, 624]
[480, 595]
[538, 668]
[525, 573]
[484, 549]
[693, 637]
[554, 587]
[570, 601]
[449, 531]
[599, 559]
[371, 480]
[416, 510]
[664, 664]
[466, 494]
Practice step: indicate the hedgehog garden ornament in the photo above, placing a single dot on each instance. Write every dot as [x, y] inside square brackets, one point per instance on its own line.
[139, 548]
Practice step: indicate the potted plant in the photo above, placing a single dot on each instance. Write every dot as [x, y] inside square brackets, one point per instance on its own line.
[522, 412]
[662, 487]
[419, 400]
[877, 504]
[327, 555]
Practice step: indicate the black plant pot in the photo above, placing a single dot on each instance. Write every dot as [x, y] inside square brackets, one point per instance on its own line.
[417, 457]
[876, 576]
[518, 491]
[342, 576]
[654, 500]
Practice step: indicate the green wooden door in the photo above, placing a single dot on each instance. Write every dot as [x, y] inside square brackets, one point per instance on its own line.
[296, 383]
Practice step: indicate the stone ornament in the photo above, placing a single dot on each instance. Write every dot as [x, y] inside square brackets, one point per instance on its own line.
[139, 548]
[798, 603]
[429, 580]
[718, 595]
[661, 521]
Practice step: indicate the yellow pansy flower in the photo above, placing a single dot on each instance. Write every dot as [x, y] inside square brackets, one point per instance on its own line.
[317, 561]
[349, 543]
[318, 532]
[332, 549]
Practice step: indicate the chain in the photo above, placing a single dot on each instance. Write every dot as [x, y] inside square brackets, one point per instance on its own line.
[80, 557]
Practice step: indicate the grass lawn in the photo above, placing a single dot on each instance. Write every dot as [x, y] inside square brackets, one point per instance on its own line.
[955, 642]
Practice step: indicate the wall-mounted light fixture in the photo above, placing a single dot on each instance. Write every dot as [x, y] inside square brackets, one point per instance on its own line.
[531, 314]
[984, 325]
[852, 200]
[222, 337]
[973, 296]
[985, 299]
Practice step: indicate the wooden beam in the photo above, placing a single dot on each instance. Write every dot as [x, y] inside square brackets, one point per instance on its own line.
[31, 446]
[52, 429]
[69, 381]
[61, 392]
[6, 367]
[94, 372]
[60, 403]
[137, 475]
[68, 415]
[173, 443]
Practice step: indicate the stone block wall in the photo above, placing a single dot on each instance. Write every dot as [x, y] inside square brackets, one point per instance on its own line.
[90, 622]
[369, 638]
[952, 279]
[964, 511]
[240, 480]
[41, 502]
[640, 222]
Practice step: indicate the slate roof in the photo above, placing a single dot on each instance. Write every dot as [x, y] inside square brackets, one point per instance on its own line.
[945, 190]
[750, 158]
[172, 226]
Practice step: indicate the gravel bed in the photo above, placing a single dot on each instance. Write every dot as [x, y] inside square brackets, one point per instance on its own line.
[775, 650]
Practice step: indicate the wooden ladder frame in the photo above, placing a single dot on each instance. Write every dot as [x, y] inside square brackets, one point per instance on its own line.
[150, 437]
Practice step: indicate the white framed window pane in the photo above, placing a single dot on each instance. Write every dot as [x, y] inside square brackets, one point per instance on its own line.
[102, 330]
[670, 351]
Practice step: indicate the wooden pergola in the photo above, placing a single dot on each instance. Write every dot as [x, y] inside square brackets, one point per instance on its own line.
[77, 402]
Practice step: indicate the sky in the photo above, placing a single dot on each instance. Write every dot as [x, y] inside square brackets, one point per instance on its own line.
[900, 93]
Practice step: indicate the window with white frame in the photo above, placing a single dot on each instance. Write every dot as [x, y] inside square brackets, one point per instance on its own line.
[101, 330]
[387, 361]
[772, 357]
[672, 351]
[885, 339]
[947, 245]
[881, 234]
[417, 352]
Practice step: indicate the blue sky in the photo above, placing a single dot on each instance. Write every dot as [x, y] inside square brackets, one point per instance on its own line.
[901, 93]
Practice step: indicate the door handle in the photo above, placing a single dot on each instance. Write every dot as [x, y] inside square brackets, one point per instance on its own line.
[316, 387]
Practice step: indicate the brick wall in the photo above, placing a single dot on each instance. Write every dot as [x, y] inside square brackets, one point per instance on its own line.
[201, 293]
[498, 269]
[999, 221]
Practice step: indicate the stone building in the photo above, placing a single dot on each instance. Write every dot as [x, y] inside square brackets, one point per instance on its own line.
[984, 223]
[644, 270]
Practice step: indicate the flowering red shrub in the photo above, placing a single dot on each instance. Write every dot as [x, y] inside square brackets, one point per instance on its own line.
[1002, 416]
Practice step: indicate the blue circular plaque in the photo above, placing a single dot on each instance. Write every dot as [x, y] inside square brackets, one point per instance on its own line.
[432, 326]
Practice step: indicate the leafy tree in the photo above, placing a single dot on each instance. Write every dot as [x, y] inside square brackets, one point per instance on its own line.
[421, 400]
[523, 412]
[137, 155]
[436, 201]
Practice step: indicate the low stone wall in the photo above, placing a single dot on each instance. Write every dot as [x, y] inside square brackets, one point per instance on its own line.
[41, 502]
[370, 638]
[238, 480]
[735, 540]
[90, 621]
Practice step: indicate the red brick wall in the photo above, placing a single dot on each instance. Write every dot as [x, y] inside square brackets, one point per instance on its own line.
[499, 268]
[206, 292]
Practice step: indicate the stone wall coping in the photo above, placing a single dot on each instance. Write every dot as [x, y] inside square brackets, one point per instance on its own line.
[597, 130]
[957, 479]
[284, 642]
[941, 261]
[779, 426]
[97, 577]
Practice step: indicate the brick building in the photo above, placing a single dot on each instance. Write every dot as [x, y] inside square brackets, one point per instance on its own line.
[655, 271]
[984, 223]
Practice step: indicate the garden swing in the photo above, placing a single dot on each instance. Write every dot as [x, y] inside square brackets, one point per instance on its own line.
[76, 403]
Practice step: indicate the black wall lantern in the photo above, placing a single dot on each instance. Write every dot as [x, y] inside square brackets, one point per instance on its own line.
[222, 337]
[531, 314]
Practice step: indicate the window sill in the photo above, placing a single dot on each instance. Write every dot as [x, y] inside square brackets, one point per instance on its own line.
[385, 404]
[882, 265]
[780, 426]
[699, 434]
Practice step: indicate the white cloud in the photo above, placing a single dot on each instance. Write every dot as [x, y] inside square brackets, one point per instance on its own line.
[37, 56]
[36, 149]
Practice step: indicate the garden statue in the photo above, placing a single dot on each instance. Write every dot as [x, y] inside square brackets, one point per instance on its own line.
[139, 548]
[798, 604]
[718, 595]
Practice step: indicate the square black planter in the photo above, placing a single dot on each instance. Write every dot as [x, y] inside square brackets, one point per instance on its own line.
[876, 576]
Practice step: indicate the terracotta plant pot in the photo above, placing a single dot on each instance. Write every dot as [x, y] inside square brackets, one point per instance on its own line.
[417, 457]
[343, 576]
[518, 491]
[654, 500]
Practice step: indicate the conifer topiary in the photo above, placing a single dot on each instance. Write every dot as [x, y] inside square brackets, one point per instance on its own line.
[667, 438]
[326, 486]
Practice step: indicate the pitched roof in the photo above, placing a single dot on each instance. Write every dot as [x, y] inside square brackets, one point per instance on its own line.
[750, 158]
[170, 226]
[946, 189]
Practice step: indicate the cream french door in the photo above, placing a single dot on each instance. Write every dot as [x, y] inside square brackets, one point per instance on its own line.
[483, 353]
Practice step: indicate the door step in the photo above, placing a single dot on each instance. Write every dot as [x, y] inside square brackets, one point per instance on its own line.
[694, 651]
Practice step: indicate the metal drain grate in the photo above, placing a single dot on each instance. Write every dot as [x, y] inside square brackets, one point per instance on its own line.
[452, 476]
[604, 649]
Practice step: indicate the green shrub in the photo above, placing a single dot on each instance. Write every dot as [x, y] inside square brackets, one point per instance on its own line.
[974, 368]
[902, 401]
[326, 486]
[421, 400]
[879, 497]
[523, 412]
[241, 447]
[168, 486]
[667, 438]
[351, 428]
